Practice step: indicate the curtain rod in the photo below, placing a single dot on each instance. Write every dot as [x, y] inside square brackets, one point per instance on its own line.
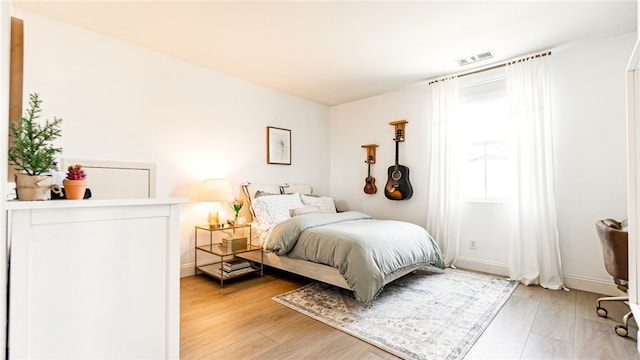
[510, 62]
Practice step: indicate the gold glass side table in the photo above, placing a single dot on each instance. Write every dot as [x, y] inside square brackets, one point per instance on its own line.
[226, 264]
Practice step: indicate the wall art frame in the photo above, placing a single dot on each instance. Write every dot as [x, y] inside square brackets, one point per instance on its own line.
[278, 146]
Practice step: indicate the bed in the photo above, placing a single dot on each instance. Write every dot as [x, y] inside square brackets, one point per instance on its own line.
[304, 234]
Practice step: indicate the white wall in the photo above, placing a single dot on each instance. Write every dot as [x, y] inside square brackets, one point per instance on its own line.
[588, 96]
[121, 102]
[367, 122]
[590, 138]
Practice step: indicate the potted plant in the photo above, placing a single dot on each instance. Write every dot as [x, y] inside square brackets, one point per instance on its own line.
[32, 152]
[75, 184]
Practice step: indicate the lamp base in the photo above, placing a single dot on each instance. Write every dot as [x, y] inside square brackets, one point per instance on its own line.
[213, 219]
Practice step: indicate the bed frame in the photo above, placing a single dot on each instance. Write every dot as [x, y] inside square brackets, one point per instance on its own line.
[305, 268]
[315, 271]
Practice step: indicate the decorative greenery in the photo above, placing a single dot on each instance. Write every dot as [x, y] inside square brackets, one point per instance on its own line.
[31, 149]
[75, 172]
[237, 205]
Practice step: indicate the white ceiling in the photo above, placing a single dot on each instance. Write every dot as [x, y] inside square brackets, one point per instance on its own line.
[333, 52]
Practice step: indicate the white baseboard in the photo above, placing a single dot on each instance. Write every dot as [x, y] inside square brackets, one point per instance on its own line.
[597, 286]
[482, 266]
[187, 270]
[571, 281]
[591, 285]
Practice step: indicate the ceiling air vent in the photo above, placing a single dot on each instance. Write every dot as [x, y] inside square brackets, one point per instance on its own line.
[474, 58]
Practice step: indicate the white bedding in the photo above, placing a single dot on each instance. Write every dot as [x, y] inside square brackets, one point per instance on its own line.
[365, 251]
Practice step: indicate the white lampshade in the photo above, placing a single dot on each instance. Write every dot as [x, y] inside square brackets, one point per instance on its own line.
[216, 190]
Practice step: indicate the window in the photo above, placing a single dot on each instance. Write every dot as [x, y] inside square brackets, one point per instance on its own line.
[484, 120]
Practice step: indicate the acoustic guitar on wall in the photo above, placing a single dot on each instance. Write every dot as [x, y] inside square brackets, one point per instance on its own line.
[398, 186]
[370, 181]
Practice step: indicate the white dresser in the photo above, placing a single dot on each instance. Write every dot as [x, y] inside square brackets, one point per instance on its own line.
[94, 279]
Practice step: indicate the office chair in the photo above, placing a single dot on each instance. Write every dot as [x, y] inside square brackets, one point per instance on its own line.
[614, 239]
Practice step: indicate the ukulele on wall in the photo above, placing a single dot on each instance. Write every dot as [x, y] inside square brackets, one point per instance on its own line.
[398, 185]
[370, 181]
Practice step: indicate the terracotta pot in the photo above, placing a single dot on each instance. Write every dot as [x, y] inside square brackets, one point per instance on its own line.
[74, 189]
[33, 187]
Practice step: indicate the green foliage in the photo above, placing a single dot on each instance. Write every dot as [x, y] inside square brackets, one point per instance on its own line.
[31, 149]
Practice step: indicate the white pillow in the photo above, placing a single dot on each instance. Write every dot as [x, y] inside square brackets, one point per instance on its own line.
[325, 203]
[270, 210]
[296, 188]
[304, 210]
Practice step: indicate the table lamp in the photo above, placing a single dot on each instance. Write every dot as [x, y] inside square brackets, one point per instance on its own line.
[215, 191]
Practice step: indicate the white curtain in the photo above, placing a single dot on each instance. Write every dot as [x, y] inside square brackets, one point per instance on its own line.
[535, 251]
[443, 219]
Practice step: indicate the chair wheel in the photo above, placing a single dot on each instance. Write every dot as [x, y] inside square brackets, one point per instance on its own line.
[602, 312]
[621, 330]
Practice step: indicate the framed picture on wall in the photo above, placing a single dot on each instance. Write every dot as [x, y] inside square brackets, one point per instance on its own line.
[278, 146]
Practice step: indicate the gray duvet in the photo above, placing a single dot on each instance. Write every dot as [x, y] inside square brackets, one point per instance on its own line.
[365, 251]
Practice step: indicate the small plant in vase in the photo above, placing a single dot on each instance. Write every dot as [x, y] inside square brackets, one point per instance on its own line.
[32, 151]
[75, 184]
[236, 205]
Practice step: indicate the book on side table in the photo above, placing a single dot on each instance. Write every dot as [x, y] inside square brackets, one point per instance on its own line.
[236, 266]
[227, 274]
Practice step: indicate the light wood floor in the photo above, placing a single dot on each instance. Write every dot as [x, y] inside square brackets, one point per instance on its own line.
[240, 321]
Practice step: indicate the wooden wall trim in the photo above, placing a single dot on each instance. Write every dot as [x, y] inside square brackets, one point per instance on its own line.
[16, 64]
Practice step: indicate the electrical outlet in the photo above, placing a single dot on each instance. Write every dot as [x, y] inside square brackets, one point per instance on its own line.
[472, 244]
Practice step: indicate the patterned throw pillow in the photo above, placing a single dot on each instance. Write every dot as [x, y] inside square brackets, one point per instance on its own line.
[270, 210]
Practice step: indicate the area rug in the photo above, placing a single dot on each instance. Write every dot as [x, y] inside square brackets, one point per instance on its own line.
[424, 315]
